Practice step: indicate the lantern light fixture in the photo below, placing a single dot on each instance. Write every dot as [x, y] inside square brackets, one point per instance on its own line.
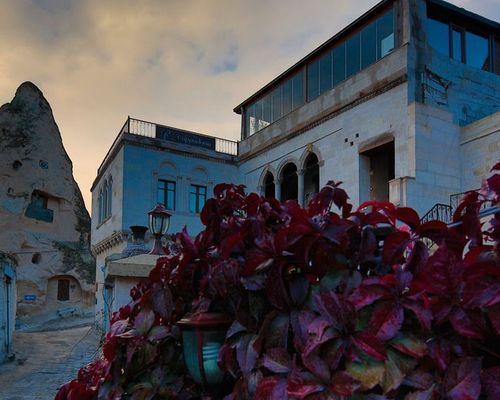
[159, 221]
[202, 337]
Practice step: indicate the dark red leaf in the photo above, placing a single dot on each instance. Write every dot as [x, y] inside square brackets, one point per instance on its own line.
[271, 388]
[407, 215]
[370, 345]
[490, 380]
[344, 384]
[494, 183]
[494, 317]
[386, 320]
[394, 246]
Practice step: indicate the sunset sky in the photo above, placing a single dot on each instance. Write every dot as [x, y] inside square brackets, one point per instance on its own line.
[184, 63]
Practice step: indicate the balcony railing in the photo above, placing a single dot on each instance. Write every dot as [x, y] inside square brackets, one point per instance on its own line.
[157, 131]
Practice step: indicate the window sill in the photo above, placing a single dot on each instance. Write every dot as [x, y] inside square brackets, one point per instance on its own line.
[103, 221]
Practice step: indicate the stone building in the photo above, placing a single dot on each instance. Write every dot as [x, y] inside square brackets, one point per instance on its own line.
[44, 225]
[403, 105]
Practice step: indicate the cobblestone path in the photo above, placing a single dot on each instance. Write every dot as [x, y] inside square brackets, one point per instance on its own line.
[44, 361]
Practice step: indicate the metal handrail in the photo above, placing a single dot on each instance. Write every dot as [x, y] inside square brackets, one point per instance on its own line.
[145, 128]
[441, 212]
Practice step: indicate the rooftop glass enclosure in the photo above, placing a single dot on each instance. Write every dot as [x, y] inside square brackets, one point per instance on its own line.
[335, 64]
[462, 39]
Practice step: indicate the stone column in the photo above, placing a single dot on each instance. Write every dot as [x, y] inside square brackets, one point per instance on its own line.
[300, 187]
[277, 189]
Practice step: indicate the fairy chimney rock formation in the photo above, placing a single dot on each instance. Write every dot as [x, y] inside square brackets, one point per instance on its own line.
[44, 224]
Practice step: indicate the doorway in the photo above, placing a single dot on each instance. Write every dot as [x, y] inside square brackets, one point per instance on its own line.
[377, 167]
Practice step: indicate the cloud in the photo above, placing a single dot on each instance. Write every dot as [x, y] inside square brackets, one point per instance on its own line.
[183, 63]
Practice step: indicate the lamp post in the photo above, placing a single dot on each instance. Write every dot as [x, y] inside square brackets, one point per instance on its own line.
[159, 221]
[202, 337]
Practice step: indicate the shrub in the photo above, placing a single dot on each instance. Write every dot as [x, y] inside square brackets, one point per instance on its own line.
[322, 309]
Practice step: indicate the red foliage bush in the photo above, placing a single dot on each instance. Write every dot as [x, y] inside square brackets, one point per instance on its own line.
[322, 309]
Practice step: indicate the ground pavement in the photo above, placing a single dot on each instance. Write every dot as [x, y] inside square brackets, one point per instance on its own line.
[45, 360]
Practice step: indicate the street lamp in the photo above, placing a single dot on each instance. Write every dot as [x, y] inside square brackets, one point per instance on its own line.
[159, 221]
[202, 337]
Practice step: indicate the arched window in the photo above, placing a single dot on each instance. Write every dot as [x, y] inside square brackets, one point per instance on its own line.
[269, 189]
[289, 182]
[100, 206]
[104, 200]
[311, 177]
[110, 196]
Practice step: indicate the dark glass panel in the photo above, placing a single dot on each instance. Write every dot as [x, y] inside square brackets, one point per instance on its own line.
[250, 118]
[298, 90]
[276, 104]
[385, 34]
[353, 55]
[266, 109]
[457, 45]
[312, 80]
[369, 45]
[497, 55]
[338, 63]
[287, 97]
[325, 73]
[438, 36]
[476, 51]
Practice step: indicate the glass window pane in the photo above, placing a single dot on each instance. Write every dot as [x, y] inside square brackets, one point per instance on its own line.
[368, 45]
[192, 202]
[276, 103]
[339, 64]
[287, 97]
[312, 80]
[325, 72]
[476, 51]
[385, 34]
[457, 45]
[250, 120]
[298, 90]
[171, 200]
[497, 56]
[353, 58]
[438, 36]
[267, 109]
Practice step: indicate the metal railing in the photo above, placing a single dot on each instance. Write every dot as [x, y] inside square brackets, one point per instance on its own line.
[440, 212]
[149, 129]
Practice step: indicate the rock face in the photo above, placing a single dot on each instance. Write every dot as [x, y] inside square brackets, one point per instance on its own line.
[43, 221]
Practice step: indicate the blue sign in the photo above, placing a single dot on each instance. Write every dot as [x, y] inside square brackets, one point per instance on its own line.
[29, 297]
[179, 136]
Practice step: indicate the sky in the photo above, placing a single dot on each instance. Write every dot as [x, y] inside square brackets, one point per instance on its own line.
[183, 63]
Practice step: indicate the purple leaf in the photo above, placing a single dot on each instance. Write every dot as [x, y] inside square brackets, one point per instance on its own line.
[462, 380]
[162, 302]
[245, 353]
[277, 360]
[158, 332]
[144, 321]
